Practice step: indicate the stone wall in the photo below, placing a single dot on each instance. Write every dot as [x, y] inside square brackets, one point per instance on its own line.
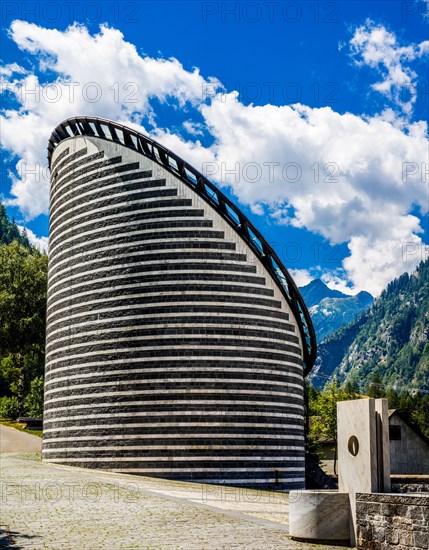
[387, 521]
[171, 350]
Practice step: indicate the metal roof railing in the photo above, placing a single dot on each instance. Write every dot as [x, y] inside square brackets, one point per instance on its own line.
[112, 131]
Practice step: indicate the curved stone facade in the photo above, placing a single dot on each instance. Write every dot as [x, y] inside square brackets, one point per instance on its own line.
[171, 350]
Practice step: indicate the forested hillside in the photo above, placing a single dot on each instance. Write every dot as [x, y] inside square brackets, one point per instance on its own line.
[9, 231]
[23, 281]
[331, 309]
[390, 340]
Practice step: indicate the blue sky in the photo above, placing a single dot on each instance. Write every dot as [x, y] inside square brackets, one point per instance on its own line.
[311, 115]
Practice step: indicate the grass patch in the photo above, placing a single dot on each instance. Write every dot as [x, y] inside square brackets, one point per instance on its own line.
[21, 427]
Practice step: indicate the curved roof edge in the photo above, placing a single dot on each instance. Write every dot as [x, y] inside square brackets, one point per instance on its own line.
[112, 131]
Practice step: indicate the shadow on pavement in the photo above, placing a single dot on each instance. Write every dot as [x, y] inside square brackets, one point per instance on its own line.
[8, 538]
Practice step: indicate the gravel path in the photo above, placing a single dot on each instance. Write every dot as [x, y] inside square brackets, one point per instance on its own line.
[60, 507]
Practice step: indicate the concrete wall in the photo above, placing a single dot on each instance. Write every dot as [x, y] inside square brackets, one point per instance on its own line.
[386, 521]
[410, 454]
[170, 349]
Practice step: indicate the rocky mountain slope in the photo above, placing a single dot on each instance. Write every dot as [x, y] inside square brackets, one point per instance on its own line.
[391, 339]
[331, 309]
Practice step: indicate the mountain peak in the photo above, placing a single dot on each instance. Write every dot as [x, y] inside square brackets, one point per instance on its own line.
[316, 290]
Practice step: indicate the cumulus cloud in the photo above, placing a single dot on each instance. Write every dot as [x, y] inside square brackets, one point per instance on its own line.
[301, 276]
[352, 179]
[39, 242]
[376, 47]
[101, 75]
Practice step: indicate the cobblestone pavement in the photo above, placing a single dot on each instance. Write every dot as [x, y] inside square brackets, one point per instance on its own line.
[61, 507]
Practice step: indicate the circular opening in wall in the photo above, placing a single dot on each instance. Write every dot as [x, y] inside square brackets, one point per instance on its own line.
[353, 445]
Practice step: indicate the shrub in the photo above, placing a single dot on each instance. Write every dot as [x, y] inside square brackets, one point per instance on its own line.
[8, 407]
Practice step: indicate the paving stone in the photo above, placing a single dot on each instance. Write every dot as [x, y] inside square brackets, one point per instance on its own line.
[60, 507]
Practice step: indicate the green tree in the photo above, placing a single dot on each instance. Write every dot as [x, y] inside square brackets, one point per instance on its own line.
[9, 230]
[323, 406]
[376, 388]
[23, 282]
[8, 407]
[34, 399]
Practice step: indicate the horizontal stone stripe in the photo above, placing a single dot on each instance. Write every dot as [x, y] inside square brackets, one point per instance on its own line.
[129, 425]
[283, 368]
[138, 298]
[175, 385]
[128, 280]
[170, 429]
[143, 257]
[111, 187]
[143, 198]
[83, 167]
[180, 326]
[197, 450]
[205, 438]
[173, 317]
[67, 168]
[81, 430]
[105, 235]
[80, 177]
[158, 444]
[130, 212]
[122, 325]
[88, 160]
[71, 163]
[198, 337]
[287, 374]
[167, 303]
[68, 343]
[58, 158]
[69, 177]
[136, 245]
[153, 461]
[126, 206]
[254, 375]
[201, 414]
[78, 234]
[56, 166]
[174, 389]
[76, 299]
[133, 241]
[137, 267]
[105, 415]
[163, 355]
[113, 180]
[92, 337]
[179, 396]
[160, 348]
[227, 341]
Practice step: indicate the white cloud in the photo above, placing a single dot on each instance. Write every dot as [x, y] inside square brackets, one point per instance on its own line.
[10, 69]
[353, 186]
[376, 47]
[39, 242]
[194, 128]
[100, 75]
[301, 276]
[340, 175]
